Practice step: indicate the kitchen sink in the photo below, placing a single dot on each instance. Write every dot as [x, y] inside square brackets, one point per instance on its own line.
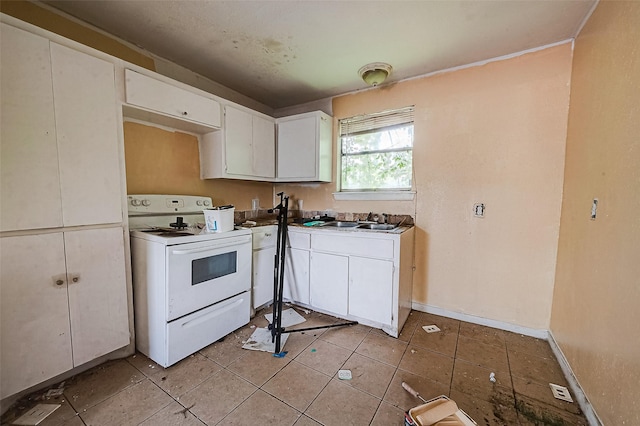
[378, 226]
[341, 224]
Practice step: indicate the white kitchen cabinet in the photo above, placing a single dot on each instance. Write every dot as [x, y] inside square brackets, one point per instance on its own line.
[87, 133]
[60, 158]
[244, 149]
[304, 147]
[328, 282]
[264, 250]
[29, 166]
[63, 303]
[169, 104]
[371, 289]
[64, 298]
[296, 267]
[364, 276]
[296, 276]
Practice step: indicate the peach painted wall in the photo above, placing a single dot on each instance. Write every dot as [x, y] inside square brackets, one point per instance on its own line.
[596, 303]
[159, 161]
[492, 134]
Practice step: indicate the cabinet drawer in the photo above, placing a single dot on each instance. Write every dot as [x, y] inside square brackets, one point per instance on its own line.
[159, 96]
[264, 236]
[352, 245]
[299, 240]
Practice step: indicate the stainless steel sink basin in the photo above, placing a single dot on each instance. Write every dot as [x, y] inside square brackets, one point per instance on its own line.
[341, 224]
[378, 226]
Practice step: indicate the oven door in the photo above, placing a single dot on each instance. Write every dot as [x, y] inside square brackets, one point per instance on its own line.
[203, 273]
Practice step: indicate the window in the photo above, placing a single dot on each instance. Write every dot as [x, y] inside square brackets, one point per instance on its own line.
[376, 151]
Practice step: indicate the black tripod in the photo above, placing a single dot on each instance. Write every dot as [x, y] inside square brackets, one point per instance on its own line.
[278, 278]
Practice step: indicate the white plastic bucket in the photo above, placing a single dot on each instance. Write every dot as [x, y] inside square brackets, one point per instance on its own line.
[219, 220]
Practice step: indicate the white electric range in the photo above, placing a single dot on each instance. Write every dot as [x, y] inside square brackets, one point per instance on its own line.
[191, 287]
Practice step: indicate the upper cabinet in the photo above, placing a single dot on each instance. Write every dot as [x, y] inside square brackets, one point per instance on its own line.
[167, 104]
[244, 149]
[304, 148]
[60, 155]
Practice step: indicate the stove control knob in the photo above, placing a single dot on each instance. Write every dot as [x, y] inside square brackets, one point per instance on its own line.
[199, 203]
[146, 203]
[206, 202]
[135, 202]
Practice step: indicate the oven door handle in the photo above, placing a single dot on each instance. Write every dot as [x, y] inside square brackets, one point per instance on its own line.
[208, 248]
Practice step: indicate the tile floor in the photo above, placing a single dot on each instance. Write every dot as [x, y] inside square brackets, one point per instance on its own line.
[226, 385]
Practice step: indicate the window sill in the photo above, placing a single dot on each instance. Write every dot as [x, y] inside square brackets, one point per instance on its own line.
[375, 196]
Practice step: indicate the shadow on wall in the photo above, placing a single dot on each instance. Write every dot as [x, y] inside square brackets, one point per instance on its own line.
[421, 264]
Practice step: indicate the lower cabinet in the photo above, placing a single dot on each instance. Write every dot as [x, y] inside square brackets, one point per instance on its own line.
[63, 302]
[360, 275]
[371, 289]
[263, 275]
[329, 282]
[296, 275]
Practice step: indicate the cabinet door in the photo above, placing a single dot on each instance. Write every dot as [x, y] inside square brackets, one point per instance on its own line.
[297, 150]
[86, 125]
[296, 275]
[263, 264]
[29, 180]
[371, 289]
[328, 282]
[264, 148]
[165, 98]
[97, 292]
[35, 338]
[238, 136]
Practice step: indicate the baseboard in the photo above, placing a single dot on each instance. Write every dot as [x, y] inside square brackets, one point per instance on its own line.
[533, 332]
[576, 389]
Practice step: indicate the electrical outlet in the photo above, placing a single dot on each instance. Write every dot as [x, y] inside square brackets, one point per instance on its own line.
[560, 392]
[478, 210]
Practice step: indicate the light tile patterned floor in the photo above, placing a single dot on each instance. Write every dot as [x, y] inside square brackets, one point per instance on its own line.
[226, 385]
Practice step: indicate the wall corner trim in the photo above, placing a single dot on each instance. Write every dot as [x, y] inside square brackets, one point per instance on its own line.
[576, 389]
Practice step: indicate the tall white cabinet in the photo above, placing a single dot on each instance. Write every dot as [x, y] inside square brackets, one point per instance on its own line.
[63, 284]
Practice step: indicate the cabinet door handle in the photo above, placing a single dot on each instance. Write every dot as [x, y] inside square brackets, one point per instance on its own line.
[75, 278]
[59, 282]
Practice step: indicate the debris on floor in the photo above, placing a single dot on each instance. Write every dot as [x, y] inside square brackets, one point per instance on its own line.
[184, 410]
[261, 340]
[344, 374]
[431, 328]
[281, 354]
[55, 392]
[289, 317]
[36, 415]
[560, 392]
[492, 377]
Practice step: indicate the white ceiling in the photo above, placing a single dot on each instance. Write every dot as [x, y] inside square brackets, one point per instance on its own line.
[285, 53]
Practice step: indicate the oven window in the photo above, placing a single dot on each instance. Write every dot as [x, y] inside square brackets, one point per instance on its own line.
[210, 268]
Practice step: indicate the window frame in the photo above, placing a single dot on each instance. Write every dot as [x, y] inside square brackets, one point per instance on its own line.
[372, 123]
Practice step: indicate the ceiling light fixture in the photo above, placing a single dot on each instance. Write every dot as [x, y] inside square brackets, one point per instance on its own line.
[375, 73]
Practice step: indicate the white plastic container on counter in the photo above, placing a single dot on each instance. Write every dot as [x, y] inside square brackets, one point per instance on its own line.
[219, 220]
